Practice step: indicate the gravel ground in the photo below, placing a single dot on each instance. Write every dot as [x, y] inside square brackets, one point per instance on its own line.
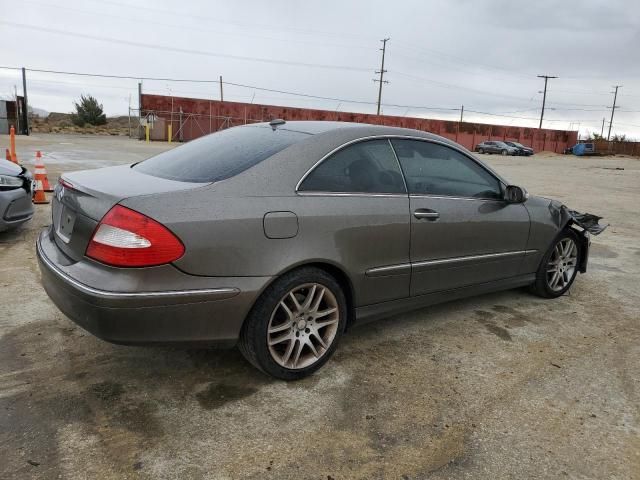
[505, 385]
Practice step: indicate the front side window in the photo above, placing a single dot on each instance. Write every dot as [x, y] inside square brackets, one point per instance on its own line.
[364, 167]
[434, 169]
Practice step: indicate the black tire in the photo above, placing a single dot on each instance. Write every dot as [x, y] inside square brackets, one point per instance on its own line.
[253, 341]
[503, 152]
[480, 151]
[541, 286]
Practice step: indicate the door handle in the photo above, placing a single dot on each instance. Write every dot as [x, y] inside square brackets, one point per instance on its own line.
[426, 213]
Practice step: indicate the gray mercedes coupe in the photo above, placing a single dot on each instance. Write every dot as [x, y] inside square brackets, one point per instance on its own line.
[278, 236]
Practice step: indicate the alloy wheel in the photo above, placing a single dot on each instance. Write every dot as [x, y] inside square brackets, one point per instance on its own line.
[303, 326]
[562, 264]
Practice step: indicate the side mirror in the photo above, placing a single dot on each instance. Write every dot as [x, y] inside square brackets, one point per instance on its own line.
[515, 194]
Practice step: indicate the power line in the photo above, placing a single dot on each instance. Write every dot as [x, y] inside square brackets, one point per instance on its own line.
[209, 32]
[455, 86]
[416, 78]
[200, 17]
[241, 85]
[167, 48]
[529, 118]
[335, 99]
[285, 92]
[465, 61]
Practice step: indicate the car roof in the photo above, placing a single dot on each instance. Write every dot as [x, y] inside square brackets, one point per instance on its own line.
[311, 127]
[353, 130]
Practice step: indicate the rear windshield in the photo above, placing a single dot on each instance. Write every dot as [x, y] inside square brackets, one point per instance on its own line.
[220, 155]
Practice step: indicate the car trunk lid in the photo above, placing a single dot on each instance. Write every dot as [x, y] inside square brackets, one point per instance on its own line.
[82, 198]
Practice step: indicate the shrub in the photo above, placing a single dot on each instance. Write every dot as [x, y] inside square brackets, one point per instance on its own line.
[88, 110]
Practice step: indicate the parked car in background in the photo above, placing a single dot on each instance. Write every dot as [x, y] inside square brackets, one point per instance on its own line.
[522, 150]
[582, 149]
[492, 146]
[276, 236]
[16, 190]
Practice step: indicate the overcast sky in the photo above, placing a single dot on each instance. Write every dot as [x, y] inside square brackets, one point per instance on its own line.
[483, 54]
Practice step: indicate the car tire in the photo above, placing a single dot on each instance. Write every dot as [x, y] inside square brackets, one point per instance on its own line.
[559, 266]
[503, 152]
[289, 309]
[480, 151]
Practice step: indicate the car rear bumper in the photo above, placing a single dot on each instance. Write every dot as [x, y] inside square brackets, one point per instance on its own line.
[211, 315]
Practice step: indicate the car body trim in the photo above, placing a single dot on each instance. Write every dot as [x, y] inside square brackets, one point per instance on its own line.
[487, 256]
[390, 137]
[221, 292]
[447, 197]
[388, 270]
[404, 268]
[351, 194]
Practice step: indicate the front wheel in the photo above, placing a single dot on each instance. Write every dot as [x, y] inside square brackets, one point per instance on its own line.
[559, 267]
[295, 325]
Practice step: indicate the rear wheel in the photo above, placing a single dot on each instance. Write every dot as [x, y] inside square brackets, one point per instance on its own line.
[295, 325]
[559, 267]
[481, 151]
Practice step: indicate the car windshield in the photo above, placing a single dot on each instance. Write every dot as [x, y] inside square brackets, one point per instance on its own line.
[515, 144]
[501, 144]
[220, 155]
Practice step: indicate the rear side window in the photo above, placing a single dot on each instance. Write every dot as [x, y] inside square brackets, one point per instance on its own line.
[434, 169]
[220, 155]
[364, 167]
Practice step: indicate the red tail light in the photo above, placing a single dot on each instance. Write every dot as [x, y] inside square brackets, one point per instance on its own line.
[126, 238]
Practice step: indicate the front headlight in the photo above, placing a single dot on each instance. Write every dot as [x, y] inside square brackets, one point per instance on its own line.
[8, 182]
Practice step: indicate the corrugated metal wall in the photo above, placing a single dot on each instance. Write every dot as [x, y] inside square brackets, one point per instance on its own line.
[200, 117]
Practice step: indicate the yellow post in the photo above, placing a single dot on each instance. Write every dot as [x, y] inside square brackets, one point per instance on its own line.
[169, 133]
[146, 132]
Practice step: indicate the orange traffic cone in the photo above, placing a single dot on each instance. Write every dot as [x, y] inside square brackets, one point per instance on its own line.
[7, 154]
[12, 144]
[39, 196]
[41, 173]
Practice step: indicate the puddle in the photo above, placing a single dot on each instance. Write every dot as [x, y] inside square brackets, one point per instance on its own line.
[601, 251]
[217, 395]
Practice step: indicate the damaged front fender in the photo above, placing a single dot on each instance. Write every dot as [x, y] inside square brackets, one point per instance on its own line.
[587, 222]
[563, 217]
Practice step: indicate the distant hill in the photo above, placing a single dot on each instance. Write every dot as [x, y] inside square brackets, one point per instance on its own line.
[61, 123]
[38, 112]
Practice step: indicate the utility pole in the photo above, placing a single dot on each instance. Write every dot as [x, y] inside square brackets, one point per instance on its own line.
[544, 96]
[26, 104]
[602, 129]
[461, 112]
[15, 97]
[382, 71]
[221, 96]
[613, 109]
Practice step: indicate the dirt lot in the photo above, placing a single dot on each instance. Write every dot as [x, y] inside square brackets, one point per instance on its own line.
[499, 386]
